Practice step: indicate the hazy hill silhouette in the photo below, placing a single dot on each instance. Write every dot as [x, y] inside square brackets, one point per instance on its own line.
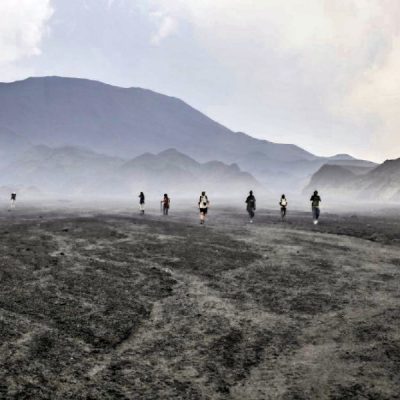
[374, 184]
[73, 171]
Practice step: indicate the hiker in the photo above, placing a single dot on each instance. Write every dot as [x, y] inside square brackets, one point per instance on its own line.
[13, 200]
[251, 205]
[283, 203]
[165, 204]
[203, 207]
[141, 202]
[315, 200]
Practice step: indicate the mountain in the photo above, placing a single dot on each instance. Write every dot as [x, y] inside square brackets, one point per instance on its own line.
[342, 157]
[11, 145]
[173, 171]
[295, 174]
[58, 170]
[331, 178]
[128, 122]
[76, 171]
[381, 183]
[123, 122]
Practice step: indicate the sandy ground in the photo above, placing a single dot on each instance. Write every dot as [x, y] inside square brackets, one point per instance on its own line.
[112, 305]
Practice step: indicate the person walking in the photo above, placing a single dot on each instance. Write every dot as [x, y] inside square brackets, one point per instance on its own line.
[315, 202]
[141, 202]
[203, 207]
[13, 200]
[165, 202]
[283, 203]
[251, 205]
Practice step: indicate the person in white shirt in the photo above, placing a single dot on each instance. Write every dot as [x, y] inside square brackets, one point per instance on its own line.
[203, 207]
[283, 203]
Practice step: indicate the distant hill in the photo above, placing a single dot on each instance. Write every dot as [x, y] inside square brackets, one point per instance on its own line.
[128, 122]
[342, 157]
[75, 171]
[296, 174]
[378, 183]
[383, 182]
[171, 170]
[63, 169]
[331, 178]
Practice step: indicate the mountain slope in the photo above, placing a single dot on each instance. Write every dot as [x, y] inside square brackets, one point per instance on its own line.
[123, 122]
[173, 171]
[62, 169]
[11, 145]
[331, 178]
[381, 183]
[76, 171]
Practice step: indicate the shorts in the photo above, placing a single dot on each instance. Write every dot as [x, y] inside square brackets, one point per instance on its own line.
[203, 210]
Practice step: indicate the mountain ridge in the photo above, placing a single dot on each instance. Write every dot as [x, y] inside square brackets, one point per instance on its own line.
[57, 102]
[70, 171]
[128, 122]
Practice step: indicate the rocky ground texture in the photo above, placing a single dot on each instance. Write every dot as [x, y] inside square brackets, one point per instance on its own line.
[114, 305]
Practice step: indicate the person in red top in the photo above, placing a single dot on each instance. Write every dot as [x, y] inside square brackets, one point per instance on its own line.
[165, 202]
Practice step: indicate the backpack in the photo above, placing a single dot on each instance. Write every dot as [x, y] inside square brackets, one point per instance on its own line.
[203, 201]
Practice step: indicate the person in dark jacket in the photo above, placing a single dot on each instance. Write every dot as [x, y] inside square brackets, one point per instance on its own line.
[315, 202]
[13, 200]
[251, 205]
[141, 202]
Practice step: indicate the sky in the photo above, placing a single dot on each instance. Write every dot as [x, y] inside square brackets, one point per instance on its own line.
[322, 74]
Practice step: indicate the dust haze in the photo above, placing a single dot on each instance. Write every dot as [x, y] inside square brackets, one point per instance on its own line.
[100, 302]
[103, 298]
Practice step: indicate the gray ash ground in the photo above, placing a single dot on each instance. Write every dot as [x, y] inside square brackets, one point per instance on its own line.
[113, 305]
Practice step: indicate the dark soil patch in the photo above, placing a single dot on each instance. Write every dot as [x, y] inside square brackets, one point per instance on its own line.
[120, 307]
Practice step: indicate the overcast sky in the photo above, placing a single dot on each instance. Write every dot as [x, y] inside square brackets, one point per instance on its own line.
[323, 74]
